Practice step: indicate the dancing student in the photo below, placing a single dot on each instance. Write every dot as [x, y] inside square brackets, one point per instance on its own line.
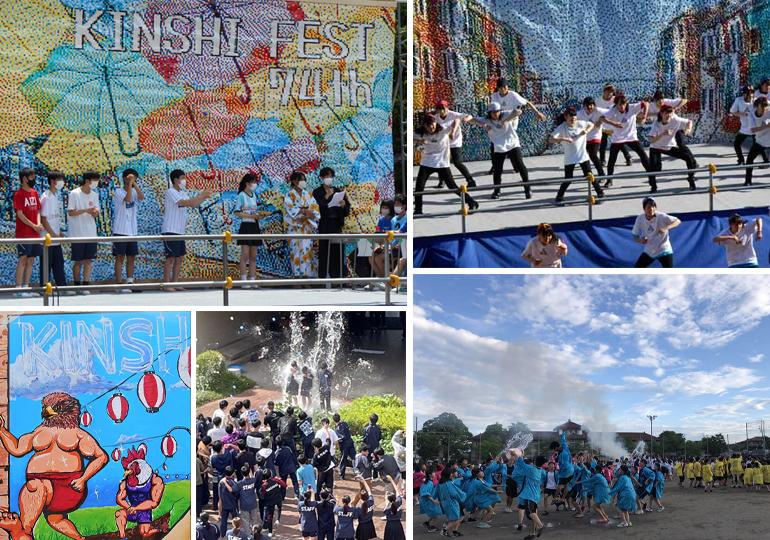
[708, 476]
[763, 89]
[738, 241]
[598, 487]
[719, 472]
[659, 101]
[624, 491]
[661, 135]
[450, 496]
[549, 482]
[651, 229]
[657, 489]
[697, 469]
[501, 126]
[766, 474]
[607, 102]
[246, 209]
[690, 471]
[591, 113]
[624, 116]
[758, 475]
[483, 496]
[393, 512]
[647, 478]
[742, 108]
[528, 476]
[566, 468]
[446, 118]
[679, 470]
[736, 469]
[760, 127]
[325, 511]
[748, 476]
[571, 133]
[435, 158]
[429, 504]
[365, 528]
[307, 516]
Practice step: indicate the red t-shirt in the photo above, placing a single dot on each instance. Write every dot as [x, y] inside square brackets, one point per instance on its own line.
[29, 204]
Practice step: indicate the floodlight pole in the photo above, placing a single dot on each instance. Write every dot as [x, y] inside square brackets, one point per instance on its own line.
[651, 417]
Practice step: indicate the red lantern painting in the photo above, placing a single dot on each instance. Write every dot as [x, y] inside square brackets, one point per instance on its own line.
[184, 367]
[117, 408]
[168, 446]
[86, 419]
[151, 391]
[116, 454]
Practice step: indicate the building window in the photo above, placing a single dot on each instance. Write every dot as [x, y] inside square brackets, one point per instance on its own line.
[427, 64]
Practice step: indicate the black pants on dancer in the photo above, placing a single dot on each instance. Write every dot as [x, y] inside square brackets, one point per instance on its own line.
[456, 156]
[593, 153]
[679, 138]
[644, 260]
[445, 175]
[517, 160]
[569, 171]
[603, 149]
[657, 165]
[619, 147]
[756, 150]
[739, 138]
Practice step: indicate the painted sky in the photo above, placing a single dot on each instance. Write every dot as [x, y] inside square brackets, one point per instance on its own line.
[691, 349]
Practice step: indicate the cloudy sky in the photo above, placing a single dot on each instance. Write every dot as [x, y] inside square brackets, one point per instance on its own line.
[691, 349]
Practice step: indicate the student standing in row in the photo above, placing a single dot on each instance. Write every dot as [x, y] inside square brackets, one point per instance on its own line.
[26, 205]
[126, 201]
[177, 203]
[332, 221]
[83, 210]
[246, 209]
[50, 219]
[301, 215]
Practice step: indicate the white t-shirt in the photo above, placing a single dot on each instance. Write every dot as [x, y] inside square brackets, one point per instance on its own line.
[742, 106]
[216, 434]
[125, 213]
[675, 123]
[321, 434]
[653, 107]
[759, 94]
[175, 218]
[550, 479]
[657, 244]
[574, 152]
[446, 123]
[49, 209]
[502, 134]
[596, 133]
[219, 413]
[763, 137]
[741, 254]
[435, 149]
[628, 132]
[84, 225]
[247, 205]
[549, 255]
[606, 104]
[512, 100]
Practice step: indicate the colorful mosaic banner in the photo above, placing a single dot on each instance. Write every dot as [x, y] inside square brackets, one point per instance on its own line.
[556, 55]
[218, 88]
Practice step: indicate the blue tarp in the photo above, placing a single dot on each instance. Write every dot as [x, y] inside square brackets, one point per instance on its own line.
[598, 244]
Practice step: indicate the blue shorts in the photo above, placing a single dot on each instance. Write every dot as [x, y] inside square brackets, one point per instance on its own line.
[174, 248]
[84, 251]
[125, 248]
[30, 250]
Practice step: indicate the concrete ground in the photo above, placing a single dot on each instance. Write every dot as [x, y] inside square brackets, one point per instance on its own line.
[513, 210]
[728, 514]
[209, 297]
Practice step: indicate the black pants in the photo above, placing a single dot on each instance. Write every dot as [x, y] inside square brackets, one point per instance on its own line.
[644, 260]
[739, 138]
[444, 174]
[270, 516]
[679, 138]
[593, 153]
[516, 159]
[756, 150]
[294, 484]
[347, 452]
[633, 145]
[603, 149]
[456, 156]
[328, 251]
[656, 163]
[326, 479]
[55, 267]
[376, 319]
[325, 395]
[569, 171]
[201, 497]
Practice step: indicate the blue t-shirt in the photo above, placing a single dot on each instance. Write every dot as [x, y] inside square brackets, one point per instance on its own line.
[247, 493]
[384, 224]
[326, 515]
[345, 527]
[307, 516]
[363, 517]
[247, 205]
[389, 512]
[306, 475]
[242, 535]
[226, 497]
[398, 224]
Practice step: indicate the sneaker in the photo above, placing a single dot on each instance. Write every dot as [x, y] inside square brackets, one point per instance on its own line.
[123, 291]
[508, 510]
[648, 509]
[383, 518]
[277, 522]
[629, 523]
[425, 524]
[484, 526]
[660, 509]
[432, 529]
[519, 527]
[472, 520]
[457, 533]
[623, 524]
[638, 512]
[249, 287]
[68, 293]
[539, 531]
[444, 532]
[602, 521]
[22, 295]
[84, 293]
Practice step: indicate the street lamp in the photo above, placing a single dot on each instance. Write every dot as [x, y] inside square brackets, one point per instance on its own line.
[651, 417]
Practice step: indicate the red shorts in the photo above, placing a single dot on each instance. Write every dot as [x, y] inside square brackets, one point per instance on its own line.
[65, 498]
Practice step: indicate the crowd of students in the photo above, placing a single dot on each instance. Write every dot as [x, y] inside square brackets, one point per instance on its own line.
[245, 461]
[304, 212]
[582, 484]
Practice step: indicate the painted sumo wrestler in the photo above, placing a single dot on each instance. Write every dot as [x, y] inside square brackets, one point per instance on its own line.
[65, 457]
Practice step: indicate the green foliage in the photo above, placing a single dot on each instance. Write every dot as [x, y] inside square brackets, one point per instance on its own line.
[490, 446]
[671, 442]
[628, 442]
[446, 430]
[213, 381]
[390, 409]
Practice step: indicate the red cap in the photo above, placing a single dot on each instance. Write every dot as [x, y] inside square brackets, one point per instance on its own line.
[442, 103]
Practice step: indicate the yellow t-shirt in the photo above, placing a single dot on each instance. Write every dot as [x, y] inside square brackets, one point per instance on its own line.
[678, 469]
[697, 468]
[708, 476]
[735, 465]
[766, 474]
[688, 470]
[719, 468]
[748, 476]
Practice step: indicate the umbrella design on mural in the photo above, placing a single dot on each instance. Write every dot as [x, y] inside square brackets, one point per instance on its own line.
[72, 152]
[367, 169]
[29, 30]
[353, 135]
[98, 92]
[208, 70]
[19, 120]
[301, 155]
[260, 139]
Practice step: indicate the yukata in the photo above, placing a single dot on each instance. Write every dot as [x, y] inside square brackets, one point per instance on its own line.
[301, 250]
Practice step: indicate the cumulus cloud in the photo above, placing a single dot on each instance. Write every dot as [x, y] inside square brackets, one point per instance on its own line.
[756, 358]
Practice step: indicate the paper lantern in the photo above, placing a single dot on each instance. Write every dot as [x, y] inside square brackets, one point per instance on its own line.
[151, 391]
[117, 407]
[168, 446]
[86, 419]
[184, 367]
[116, 454]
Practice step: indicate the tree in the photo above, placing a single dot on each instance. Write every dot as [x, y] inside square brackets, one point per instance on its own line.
[438, 434]
[672, 442]
[494, 430]
[628, 442]
[516, 428]
[490, 446]
[715, 444]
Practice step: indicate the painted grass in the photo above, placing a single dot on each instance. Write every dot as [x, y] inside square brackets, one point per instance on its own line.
[96, 521]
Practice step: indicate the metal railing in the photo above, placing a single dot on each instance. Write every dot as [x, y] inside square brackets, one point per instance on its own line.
[226, 283]
[590, 200]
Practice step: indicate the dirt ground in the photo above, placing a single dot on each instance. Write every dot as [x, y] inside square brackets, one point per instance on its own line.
[728, 514]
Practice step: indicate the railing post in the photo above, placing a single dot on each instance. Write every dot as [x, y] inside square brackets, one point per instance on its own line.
[225, 290]
[44, 273]
[589, 177]
[463, 208]
[386, 262]
[711, 189]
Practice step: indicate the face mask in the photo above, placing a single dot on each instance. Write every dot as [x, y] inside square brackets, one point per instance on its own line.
[182, 184]
[31, 183]
[399, 209]
[59, 184]
[302, 184]
[253, 187]
[328, 181]
[384, 211]
[95, 184]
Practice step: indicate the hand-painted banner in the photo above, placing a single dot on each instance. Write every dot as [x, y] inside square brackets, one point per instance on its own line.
[216, 88]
